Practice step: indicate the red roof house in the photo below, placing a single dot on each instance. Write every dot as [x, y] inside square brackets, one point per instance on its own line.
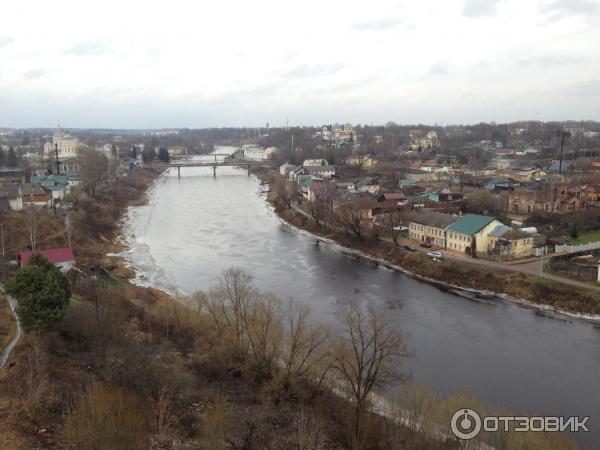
[60, 257]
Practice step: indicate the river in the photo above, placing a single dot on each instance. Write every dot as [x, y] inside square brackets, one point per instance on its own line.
[504, 354]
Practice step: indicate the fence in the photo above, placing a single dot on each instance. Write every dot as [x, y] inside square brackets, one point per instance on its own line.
[566, 248]
[581, 271]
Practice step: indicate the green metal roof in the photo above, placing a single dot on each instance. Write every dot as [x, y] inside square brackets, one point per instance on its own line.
[470, 224]
[59, 178]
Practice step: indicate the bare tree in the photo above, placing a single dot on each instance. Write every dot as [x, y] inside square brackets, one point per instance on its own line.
[286, 192]
[31, 224]
[304, 346]
[396, 218]
[263, 326]
[366, 357]
[228, 304]
[321, 206]
[94, 167]
[68, 232]
[351, 215]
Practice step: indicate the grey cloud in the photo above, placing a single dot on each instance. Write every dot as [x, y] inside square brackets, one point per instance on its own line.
[480, 8]
[34, 73]
[439, 68]
[305, 71]
[88, 48]
[559, 9]
[376, 25]
[6, 40]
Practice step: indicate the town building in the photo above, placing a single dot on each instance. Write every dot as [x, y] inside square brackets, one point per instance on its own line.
[523, 175]
[430, 227]
[469, 233]
[364, 161]
[420, 176]
[510, 243]
[547, 198]
[314, 162]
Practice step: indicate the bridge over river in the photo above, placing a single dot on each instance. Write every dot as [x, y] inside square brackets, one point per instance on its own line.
[232, 162]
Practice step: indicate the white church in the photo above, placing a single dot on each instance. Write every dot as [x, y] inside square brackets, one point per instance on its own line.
[66, 145]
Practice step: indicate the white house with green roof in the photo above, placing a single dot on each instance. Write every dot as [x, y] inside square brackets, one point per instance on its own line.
[469, 234]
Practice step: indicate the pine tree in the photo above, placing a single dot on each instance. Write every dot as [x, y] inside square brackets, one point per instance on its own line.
[42, 292]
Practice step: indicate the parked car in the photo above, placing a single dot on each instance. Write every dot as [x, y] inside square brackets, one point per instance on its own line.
[425, 245]
[435, 255]
[410, 248]
[400, 228]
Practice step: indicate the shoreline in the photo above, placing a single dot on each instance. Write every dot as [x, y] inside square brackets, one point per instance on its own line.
[126, 263]
[359, 255]
[451, 288]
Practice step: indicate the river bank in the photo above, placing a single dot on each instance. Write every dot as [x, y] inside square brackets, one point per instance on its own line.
[530, 291]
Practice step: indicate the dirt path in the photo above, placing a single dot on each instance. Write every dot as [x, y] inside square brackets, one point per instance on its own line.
[6, 351]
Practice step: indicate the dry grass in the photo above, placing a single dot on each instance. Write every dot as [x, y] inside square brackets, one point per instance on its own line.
[8, 324]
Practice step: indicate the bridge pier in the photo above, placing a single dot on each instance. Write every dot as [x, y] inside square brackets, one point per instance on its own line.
[214, 171]
[248, 169]
[178, 171]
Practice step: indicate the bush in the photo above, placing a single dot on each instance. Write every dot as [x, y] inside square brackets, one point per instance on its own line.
[107, 418]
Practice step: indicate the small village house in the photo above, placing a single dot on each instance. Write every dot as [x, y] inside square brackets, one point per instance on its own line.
[62, 258]
[445, 194]
[324, 171]
[420, 176]
[286, 168]
[13, 197]
[34, 195]
[314, 162]
[510, 243]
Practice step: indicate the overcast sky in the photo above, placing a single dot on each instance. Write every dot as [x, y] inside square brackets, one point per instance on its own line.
[158, 64]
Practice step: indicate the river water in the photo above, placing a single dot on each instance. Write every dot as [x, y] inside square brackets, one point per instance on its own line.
[508, 356]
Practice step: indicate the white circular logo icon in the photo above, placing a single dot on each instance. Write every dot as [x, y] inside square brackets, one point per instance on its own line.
[465, 423]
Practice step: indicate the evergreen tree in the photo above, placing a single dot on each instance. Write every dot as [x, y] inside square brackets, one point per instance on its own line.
[163, 155]
[11, 159]
[148, 154]
[574, 233]
[42, 292]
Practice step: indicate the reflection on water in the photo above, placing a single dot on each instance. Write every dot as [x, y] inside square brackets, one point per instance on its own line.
[196, 226]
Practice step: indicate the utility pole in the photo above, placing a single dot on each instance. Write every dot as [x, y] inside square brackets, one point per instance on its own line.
[57, 161]
[563, 135]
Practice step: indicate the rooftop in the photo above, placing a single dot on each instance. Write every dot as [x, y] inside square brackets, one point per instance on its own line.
[54, 255]
[432, 219]
[470, 223]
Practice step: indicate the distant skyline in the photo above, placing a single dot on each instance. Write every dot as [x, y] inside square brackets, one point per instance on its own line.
[151, 64]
